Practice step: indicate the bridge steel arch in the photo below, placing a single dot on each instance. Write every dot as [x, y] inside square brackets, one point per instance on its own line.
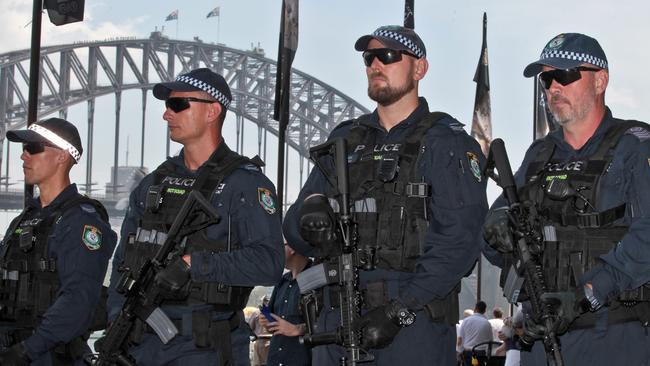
[81, 72]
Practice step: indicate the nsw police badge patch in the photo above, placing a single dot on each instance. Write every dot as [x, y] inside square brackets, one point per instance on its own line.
[474, 165]
[265, 198]
[91, 237]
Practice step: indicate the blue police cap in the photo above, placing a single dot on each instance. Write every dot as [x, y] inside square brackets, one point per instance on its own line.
[566, 51]
[202, 79]
[395, 37]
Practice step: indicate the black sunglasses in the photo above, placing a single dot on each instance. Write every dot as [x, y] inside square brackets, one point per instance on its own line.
[385, 55]
[178, 104]
[34, 148]
[564, 77]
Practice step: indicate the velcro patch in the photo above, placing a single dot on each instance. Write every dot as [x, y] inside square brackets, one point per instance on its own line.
[91, 237]
[266, 200]
[641, 133]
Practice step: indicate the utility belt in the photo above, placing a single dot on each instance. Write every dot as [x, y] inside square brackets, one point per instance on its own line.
[617, 313]
[376, 294]
[222, 297]
[206, 332]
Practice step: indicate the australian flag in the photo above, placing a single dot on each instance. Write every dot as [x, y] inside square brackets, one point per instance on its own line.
[482, 120]
[172, 16]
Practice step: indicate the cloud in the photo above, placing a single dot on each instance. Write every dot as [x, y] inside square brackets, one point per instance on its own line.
[17, 36]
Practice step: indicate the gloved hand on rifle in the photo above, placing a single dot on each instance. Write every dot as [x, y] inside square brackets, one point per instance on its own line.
[496, 230]
[318, 223]
[380, 325]
[16, 355]
[172, 279]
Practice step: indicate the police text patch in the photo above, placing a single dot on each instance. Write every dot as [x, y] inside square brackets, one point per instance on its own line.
[265, 198]
[91, 237]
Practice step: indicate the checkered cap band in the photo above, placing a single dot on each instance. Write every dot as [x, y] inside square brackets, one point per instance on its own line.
[56, 140]
[408, 43]
[577, 56]
[219, 96]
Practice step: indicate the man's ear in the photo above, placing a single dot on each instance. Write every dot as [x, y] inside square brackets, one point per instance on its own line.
[601, 79]
[421, 67]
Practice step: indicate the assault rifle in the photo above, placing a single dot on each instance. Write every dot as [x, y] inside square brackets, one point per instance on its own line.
[142, 295]
[527, 271]
[342, 269]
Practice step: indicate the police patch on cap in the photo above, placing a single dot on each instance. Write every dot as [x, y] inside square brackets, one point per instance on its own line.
[91, 237]
[265, 198]
[474, 165]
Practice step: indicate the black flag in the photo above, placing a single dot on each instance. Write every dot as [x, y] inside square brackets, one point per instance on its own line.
[286, 52]
[64, 11]
[409, 14]
[482, 120]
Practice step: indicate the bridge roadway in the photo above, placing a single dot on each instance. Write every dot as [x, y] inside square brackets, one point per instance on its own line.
[13, 199]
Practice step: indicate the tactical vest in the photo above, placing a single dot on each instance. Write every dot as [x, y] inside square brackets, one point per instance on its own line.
[164, 199]
[390, 199]
[575, 232]
[30, 279]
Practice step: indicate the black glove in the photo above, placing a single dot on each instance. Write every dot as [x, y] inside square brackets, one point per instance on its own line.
[380, 325]
[99, 343]
[496, 230]
[172, 279]
[15, 356]
[317, 221]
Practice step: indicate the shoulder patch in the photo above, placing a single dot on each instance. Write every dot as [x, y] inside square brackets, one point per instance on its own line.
[266, 200]
[88, 208]
[91, 237]
[474, 165]
[640, 132]
[251, 167]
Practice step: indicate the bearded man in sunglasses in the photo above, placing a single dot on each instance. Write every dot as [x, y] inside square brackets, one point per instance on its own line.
[418, 200]
[207, 286]
[596, 229]
[53, 257]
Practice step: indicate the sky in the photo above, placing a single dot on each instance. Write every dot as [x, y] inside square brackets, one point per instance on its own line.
[451, 31]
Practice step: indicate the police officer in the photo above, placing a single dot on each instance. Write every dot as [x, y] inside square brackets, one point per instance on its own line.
[225, 260]
[53, 257]
[419, 201]
[287, 322]
[596, 228]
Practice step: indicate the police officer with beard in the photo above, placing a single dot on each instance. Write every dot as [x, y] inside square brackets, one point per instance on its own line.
[588, 181]
[54, 256]
[419, 201]
[207, 289]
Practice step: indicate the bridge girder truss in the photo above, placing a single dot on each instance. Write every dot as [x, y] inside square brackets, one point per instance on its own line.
[74, 73]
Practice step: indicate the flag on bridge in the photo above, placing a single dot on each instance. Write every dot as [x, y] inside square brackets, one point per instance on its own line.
[213, 13]
[543, 121]
[409, 14]
[481, 122]
[172, 16]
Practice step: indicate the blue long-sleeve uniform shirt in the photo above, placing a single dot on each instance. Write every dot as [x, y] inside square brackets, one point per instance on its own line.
[456, 209]
[237, 201]
[627, 265]
[285, 302]
[81, 269]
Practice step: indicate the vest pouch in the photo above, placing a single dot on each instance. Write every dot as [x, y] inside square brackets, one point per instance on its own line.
[27, 239]
[154, 198]
[391, 228]
[445, 310]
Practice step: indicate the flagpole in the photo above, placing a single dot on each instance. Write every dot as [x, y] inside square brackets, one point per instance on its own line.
[218, 26]
[176, 26]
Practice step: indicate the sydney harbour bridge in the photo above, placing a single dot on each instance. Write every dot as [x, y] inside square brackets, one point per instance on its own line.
[78, 73]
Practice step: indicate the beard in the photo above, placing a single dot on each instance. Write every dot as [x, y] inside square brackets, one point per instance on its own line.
[387, 95]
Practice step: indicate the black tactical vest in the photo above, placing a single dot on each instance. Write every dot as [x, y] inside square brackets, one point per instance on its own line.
[30, 279]
[164, 199]
[390, 198]
[575, 232]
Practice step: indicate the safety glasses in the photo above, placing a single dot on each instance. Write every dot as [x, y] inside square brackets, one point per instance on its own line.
[385, 55]
[564, 77]
[34, 148]
[178, 104]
